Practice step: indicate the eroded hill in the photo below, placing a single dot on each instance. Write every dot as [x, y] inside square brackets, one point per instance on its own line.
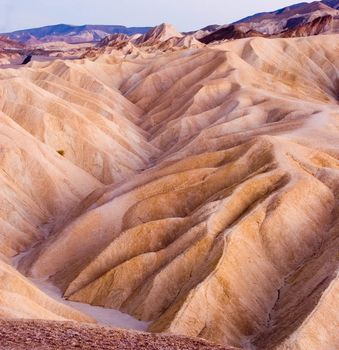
[197, 188]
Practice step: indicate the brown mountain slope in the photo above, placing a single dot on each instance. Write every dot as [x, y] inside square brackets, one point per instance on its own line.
[6, 43]
[231, 32]
[320, 25]
[303, 8]
[304, 19]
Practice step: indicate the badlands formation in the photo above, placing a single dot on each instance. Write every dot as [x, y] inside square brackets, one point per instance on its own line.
[193, 187]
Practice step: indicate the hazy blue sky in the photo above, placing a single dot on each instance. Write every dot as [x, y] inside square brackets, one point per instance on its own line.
[184, 14]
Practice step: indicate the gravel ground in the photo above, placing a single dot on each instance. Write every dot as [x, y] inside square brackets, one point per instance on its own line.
[38, 335]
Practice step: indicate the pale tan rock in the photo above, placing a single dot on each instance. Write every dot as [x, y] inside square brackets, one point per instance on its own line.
[37, 184]
[219, 219]
[19, 298]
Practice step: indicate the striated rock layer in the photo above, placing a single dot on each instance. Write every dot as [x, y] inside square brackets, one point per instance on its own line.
[219, 218]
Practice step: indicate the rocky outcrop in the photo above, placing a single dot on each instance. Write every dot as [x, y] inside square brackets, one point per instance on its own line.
[162, 32]
[162, 38]
[231, 32]
[6, 43]
[68, 336]
[320, 25]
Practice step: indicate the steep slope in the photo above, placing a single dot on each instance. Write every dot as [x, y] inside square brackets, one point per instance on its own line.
[320, 25]
[162, 32]
[37, 185]
[162, 38]
[9, 50]
[68, 107]
[20, 299]
[228, 228]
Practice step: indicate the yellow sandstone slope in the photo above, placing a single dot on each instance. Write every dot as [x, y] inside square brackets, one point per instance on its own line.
[20, 299]
[221, 217]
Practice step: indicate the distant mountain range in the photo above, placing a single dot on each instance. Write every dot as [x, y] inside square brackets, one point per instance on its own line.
[72, 34]
[291, 16]
[303, 19]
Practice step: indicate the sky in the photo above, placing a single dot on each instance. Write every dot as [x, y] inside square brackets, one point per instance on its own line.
[185, 15]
